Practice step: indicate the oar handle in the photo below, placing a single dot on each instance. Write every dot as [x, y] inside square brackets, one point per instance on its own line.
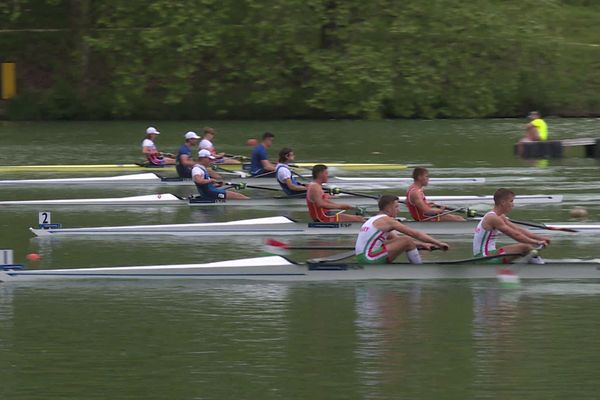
[444, 213]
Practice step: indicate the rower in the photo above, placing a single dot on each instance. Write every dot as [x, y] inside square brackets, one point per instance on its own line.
[378, 241]
[208, 135]
[206, 185]
[417, 204]
[484, 239]
[285, 176]
[260, 164]
[155, 157]
[320, 207]
[537, 128]
[184, 159]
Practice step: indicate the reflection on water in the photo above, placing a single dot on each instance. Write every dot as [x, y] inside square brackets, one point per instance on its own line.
[368, 340]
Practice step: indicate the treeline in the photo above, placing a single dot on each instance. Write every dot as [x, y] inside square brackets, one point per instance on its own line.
[200, 59]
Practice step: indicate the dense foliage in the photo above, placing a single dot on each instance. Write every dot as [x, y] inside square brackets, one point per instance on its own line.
[297, 58]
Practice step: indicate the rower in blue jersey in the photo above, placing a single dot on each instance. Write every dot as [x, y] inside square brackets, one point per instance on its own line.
[285, 176]
[184, 160]
[260, 164]
[207, 186]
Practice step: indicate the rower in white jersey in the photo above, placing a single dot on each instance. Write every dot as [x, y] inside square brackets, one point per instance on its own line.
[484, 239]
[208, 134]
[379, 242]
[285, 177]
[208, 187]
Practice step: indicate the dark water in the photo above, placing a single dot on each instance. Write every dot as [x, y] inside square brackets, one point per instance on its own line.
[379, 340]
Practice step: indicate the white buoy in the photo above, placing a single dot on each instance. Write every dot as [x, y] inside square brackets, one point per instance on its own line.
[578, 212]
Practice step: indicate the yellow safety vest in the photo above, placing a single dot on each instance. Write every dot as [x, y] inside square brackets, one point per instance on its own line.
[541, 127]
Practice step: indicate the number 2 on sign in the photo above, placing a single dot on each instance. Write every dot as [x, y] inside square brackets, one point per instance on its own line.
[44, 217]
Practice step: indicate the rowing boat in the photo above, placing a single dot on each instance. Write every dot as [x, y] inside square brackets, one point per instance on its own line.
[277, 226]
[140, 167]
[278, 268]
[162, 199]
[150, 178]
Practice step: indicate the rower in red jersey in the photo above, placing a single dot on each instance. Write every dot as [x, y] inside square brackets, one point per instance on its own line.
[320, 207]
[417, 204]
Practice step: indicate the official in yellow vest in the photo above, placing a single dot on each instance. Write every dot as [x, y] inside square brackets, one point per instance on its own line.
[537, 127]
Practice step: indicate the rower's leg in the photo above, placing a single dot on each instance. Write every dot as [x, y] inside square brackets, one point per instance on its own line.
[451, 218]
[236, 196]
[398, 245]
[515, 248]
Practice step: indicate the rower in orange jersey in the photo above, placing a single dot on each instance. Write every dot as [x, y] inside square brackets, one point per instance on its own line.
[417, 204]
[320, 207]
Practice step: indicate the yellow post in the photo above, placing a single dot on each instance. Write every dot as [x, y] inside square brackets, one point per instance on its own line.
[9, 80]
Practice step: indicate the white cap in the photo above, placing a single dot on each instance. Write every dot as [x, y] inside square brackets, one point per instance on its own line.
[191, 135]
[153, 130]
[205, 153]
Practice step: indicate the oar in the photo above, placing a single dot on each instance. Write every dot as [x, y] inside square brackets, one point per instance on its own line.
[544, 226]
[273, 246]
[444, 213]
[477, 259]
[335, 190]
[237, 157]
[286, 246]
[242, 186]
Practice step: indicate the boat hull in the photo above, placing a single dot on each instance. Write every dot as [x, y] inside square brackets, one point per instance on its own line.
[280, 269]
[140, 168]
[280, 201]
[281, 226]
[149, 179]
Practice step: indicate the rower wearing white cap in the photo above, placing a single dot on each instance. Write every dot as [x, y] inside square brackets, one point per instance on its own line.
[207, 186]
[155, 158]
[185, 161]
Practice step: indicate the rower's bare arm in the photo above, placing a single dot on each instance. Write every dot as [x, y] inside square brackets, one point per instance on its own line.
[214, 174]
[267, 166]
[528, 233]
[199, 179]
[186, 160]
[423, 207]
[330, 205]
[147, 150]
[313, 193]
[292, 186]
[508, 230]
[416, 234]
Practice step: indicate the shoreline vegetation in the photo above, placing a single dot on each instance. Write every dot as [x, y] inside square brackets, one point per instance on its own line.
[300, 59]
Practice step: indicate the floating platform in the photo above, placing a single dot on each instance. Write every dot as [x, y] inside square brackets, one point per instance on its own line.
[558, 148]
